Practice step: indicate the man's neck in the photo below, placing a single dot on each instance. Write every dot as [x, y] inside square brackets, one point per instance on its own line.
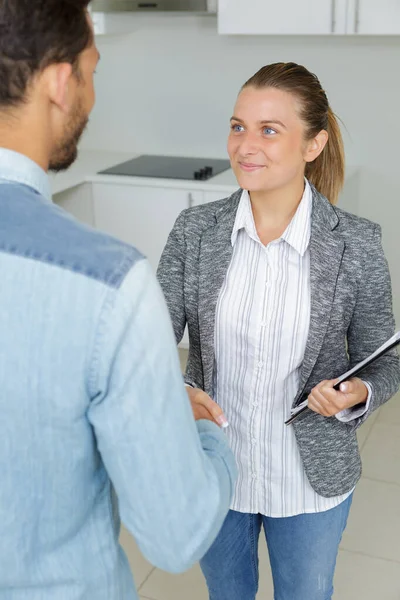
[26, 137]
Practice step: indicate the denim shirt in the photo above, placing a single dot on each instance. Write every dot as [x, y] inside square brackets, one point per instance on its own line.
[91, 400]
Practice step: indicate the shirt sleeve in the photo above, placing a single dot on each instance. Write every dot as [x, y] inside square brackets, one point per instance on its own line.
[372, 324]
[174, 478]
[351, 414]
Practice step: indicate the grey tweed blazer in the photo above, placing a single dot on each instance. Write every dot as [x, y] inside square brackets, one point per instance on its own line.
[351, 315]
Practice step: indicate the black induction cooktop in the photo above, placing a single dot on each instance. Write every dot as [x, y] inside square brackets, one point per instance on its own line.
[170, 167]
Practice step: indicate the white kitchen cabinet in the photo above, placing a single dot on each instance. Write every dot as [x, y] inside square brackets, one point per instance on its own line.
[283, 17]
[78, 201]
[141, 216]
[321, 17]
[370, 17]
[114, 24]
[195, 198]
[212, 196]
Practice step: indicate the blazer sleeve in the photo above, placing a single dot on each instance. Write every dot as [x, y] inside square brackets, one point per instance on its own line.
[170, 274]
[373, 324]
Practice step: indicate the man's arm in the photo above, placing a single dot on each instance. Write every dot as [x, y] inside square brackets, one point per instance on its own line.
[174, 478]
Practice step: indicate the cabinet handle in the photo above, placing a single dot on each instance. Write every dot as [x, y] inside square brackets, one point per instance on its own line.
[357, 17]
[333, 16]
[191, 200]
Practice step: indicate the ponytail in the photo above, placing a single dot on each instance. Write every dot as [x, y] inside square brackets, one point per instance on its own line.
[326, 172]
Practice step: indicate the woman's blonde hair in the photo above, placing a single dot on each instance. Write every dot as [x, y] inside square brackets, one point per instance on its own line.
[326, 172]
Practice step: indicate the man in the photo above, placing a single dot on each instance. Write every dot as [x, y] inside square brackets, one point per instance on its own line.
[90, 386]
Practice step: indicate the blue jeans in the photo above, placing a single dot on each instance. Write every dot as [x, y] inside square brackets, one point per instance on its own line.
[302, 551]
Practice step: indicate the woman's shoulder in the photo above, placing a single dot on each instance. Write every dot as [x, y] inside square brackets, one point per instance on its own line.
[347, 224]
[356, 227]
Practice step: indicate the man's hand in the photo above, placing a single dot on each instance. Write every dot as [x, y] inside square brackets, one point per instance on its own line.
[328, 402]
[205, 408]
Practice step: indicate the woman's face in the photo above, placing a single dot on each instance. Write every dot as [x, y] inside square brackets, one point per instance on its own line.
[267, 144]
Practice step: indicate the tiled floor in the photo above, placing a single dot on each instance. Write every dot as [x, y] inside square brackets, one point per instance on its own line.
[369, 559]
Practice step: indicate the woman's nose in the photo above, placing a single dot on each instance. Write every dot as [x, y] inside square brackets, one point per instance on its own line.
[249, 144]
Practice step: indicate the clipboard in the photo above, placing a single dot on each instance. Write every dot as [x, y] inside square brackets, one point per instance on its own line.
[391, 343]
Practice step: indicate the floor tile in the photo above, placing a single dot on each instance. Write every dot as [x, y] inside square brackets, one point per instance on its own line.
[163, 586]
[361, 577]
[139, 565]
[266, 589]
[390, 412]
[374, 523]
[381, 453]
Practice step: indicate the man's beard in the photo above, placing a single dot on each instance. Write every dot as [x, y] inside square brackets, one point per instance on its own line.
[66, 151]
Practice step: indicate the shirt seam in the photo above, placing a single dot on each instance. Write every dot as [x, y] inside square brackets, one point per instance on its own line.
[108, 304]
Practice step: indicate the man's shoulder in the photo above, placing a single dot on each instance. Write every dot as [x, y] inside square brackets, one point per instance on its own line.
[35, 229]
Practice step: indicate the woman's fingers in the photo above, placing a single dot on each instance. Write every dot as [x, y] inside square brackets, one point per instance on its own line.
[318, 403]
[199, 399]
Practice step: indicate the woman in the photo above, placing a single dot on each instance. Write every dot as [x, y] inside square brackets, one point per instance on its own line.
[282, 292]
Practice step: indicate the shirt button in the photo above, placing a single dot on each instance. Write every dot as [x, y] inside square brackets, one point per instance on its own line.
[254, 441]
[263, 323]
[255, 404]
[260, 365]
[254, 475]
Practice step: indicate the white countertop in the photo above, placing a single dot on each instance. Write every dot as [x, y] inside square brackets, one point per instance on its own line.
[90, 162]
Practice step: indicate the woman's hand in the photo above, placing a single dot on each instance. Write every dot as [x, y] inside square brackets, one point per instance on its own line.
[205, 408]
[328, 402]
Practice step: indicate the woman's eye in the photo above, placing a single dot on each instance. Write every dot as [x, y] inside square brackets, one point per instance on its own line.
[237, 128]
[269, 131]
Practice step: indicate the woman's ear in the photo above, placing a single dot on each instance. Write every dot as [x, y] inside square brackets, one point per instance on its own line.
[315, 146]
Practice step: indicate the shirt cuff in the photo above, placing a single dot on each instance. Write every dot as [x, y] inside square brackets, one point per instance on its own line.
[351, 414]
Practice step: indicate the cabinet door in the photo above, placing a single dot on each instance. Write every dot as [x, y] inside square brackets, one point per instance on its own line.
[276, 17]
[371, 17]
[141, 216]
[212, 196]
[78, 201]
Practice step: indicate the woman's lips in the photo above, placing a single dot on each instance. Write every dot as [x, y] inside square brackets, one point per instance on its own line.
[250, 167]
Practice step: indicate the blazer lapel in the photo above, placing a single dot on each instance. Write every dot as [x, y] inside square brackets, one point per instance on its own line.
[326, 252]
[215, 256]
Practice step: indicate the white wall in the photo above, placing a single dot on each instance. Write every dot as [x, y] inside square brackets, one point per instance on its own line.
[171, 85]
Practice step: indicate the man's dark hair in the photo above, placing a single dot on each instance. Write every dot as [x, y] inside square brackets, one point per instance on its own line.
[35, 34]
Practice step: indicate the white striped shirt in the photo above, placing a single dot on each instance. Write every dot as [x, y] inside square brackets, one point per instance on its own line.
[261, 329]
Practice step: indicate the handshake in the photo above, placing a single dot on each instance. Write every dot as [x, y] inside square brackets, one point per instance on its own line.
[205, 408]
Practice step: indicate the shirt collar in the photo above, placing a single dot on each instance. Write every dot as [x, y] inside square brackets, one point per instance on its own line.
[17, 168]
[297, 233]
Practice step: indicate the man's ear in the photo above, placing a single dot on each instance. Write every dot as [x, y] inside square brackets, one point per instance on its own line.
[58, 79]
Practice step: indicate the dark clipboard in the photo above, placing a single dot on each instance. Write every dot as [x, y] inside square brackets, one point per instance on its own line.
[391, 343]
